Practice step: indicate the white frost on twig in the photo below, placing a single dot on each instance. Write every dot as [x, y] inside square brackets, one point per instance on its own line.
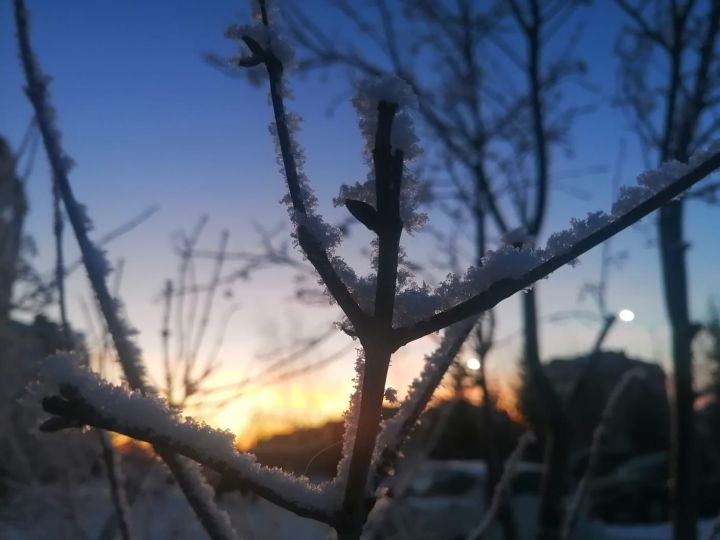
[327, 236]
[395, 429]
[600, 434]
[195, 488]
[389, 89]
[517, 237]
[416, 302]
[653, 181]
[412, 193]
[351, 417]
[267, 37]
[138, 411]
[503, 487]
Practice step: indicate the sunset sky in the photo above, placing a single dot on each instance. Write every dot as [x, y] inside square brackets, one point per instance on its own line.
[149, 122]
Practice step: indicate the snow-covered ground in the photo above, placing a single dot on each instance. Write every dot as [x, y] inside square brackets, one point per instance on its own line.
[77, 506]
[159, 513]
[659, 531]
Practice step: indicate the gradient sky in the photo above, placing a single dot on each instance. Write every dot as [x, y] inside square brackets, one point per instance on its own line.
[147, 121]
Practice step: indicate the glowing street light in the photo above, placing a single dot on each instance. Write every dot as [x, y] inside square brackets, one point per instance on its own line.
[473, 364]
[626, 315]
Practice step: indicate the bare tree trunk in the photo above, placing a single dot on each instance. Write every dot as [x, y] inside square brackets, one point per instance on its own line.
[493, 461]
[683, 486]
[551, 491]
[12, 215]
[555, 427]
[506, 515]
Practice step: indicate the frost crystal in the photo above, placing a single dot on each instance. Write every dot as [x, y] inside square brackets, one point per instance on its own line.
[327, 236]
[388, 89]
[422, 388]
[391, 90]
[629, 198]
[412, 194]
[659, 179]
[416, 302]
[134, 410]
[562, 241]
[352, 416]
[267, 37]
[517, 237]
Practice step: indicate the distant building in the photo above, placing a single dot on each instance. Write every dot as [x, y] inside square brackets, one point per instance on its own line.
[585, 384]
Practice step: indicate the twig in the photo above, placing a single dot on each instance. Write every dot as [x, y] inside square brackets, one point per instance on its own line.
[504, 486]
[599, 436]
[80, 405]
[165, 338]
[310, 246]
[396, 430]
[46, 284]
[117, 491]
[60, 266]
[213, 519]
[506, 288]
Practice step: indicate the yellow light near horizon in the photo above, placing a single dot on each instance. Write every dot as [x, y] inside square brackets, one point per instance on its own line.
[271, 411]
[626, 315]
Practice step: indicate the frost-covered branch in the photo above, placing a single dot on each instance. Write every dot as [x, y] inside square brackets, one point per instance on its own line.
[43, 285]
[599, 437]
[395, 430]
[634, 203]
[85, 399]
[314, 236]
[215, 521]
[504, 486]
[368, 302]
[117, 490]
[60, 164]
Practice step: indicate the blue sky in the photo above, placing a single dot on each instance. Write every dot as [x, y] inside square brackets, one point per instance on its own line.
[147, 121]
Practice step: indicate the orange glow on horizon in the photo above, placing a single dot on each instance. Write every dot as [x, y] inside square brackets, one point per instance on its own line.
[305, 402]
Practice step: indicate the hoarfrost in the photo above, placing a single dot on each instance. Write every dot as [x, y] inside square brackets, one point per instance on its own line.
[421, 389]
[517, 237]
[561, 241]
[267, 37]
[351, 417]
[412, 193]
[628, 198]
[147, 412]
[327, 236]
[658, 179]
[387, 89]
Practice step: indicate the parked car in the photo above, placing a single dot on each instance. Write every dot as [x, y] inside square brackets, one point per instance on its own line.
[444, 500]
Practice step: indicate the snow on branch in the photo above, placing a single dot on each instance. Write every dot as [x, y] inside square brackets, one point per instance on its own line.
[86, 399]
[351, 418]
[509, 269]
[392, 90]
[396, 429]
[600, 436]
[316, 238]
[504, 486]
[214, 520]
[94, 258]
[200, 495]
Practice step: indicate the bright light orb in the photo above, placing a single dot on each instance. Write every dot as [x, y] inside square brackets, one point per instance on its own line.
[626, 315]
[473, 364]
